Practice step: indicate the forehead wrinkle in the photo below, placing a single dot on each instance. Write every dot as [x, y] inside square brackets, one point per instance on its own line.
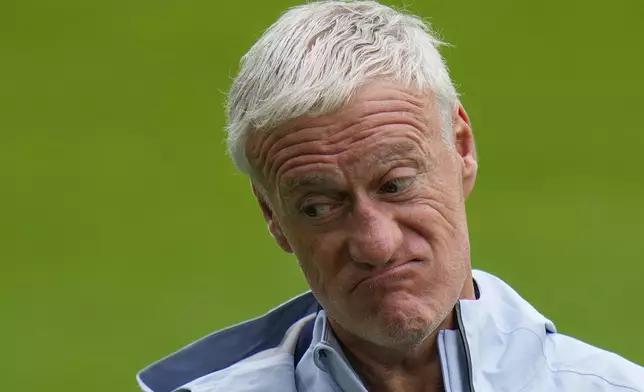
[324, 151]
[321, 151]
[367, 118]
[355, 112]
[395, 149]
[384, 154]
[291, 138]
[383, 89]
[373, 106]
[389, 146]
[266, 144]
[358, 119]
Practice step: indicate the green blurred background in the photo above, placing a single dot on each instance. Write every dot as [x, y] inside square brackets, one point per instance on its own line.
[125, 232]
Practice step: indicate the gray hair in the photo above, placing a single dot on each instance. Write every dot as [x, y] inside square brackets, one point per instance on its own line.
[315, 56]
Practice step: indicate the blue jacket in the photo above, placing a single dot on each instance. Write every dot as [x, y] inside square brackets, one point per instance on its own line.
[502, 344]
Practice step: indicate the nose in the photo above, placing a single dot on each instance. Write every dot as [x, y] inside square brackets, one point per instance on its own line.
[374, 235]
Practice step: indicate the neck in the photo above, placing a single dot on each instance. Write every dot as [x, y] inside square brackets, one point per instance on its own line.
[385, 369]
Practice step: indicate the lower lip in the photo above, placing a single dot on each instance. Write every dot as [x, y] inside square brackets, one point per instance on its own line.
[397, 274]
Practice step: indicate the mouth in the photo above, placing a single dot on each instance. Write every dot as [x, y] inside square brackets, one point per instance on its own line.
[391, 274]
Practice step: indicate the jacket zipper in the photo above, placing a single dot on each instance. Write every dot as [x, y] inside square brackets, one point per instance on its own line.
[468, 357]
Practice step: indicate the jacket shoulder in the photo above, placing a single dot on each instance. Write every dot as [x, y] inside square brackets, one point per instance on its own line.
[505, 329]
[223, 348]
[574, 359]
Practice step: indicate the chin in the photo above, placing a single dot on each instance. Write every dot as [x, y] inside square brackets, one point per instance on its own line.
[402, 324]
[402, 336]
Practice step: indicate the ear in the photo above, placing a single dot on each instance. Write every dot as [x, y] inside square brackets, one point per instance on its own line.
[273, 225]
[464, 143]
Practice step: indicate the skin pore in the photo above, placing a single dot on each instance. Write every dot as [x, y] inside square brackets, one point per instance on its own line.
[371, 200]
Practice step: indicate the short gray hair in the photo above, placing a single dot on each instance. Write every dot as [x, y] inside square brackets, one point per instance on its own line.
[315, 56]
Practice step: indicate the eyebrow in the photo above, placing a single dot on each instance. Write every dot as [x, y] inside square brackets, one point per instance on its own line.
[393, 152]
[384, 155]
[309, 180]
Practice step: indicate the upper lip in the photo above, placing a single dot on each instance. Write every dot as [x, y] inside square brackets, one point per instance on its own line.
[382, 270]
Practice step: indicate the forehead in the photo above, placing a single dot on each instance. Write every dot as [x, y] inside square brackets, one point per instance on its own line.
[383, 122]
[384, 153]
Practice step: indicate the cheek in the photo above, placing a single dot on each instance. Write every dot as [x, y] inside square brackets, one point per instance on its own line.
[319, 258]
[432, 220]
[448, 255]
[444, 228]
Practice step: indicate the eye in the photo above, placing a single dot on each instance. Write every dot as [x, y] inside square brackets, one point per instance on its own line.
[397, 185]
[315, 210]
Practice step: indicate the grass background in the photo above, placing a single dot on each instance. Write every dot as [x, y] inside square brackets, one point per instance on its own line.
[126, 233]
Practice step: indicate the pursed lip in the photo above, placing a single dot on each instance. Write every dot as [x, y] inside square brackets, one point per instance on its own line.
[384, 271]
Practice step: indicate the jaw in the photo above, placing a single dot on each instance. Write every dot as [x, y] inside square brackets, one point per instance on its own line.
[399, 317]
[398, 320]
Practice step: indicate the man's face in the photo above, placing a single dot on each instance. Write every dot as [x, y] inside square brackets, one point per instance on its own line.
[371, 201]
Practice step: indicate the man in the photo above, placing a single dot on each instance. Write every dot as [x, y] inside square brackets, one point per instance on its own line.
[361, 156]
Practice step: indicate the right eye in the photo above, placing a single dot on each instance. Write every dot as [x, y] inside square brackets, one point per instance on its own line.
[315, 210]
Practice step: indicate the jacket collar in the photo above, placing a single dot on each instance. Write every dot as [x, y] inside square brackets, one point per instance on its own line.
[498, 330]
[498, 325]
[502, 330]
[495, 333]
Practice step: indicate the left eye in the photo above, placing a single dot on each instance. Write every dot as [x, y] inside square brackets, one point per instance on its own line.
[396, 185]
